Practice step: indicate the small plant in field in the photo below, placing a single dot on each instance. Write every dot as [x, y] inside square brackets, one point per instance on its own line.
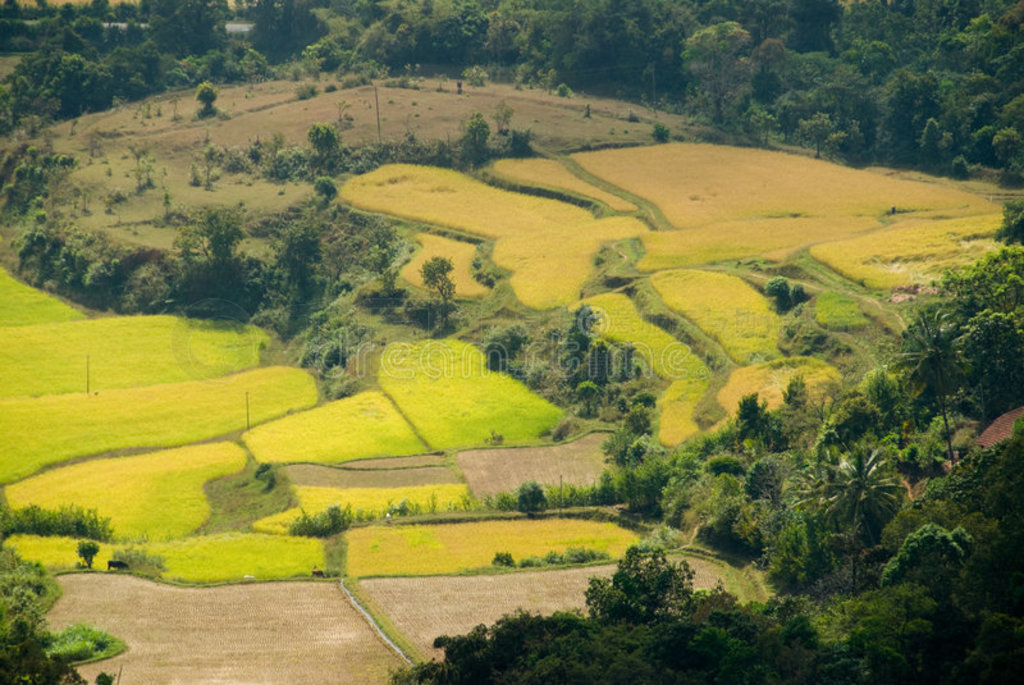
[324, 524]
[475, 76]
[504, 559]
[141, 562]
[206, 94]
[80, 642]
[563, 91]
[87, 551]
[660, 133]
[305, 91]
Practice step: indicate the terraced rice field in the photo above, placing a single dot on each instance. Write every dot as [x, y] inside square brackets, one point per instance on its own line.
[229, 557]
[358, 427]
[21, 305]
[155, 496]
[37, 432]
[459, 252]
[726, 308]
[769, 380]
[913, 251]
[547, 173]
[253, 633]
[122, 352]
[369, 502]
[437, 549]
[676, 407]
[399, 477]
[491, 471]
[839, 312]
[444, 389]
[548, 245]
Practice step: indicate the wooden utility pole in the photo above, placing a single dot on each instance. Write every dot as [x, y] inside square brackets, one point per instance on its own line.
[376, 101]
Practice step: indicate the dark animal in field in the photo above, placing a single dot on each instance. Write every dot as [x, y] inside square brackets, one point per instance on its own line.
[317, 573]
[114, 565]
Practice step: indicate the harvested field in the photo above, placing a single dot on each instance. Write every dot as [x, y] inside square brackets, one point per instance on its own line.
[548, 173]
[436, 549]
[769, 380]
[443, 387]
[39, 431]
[255, 633]
[461, 255]
[122, 352]
[155, 496]
[21, 305]
[548, 245]
[330, 477]
[491, 471]
[725, 307]
[390, 463]
[364, 425]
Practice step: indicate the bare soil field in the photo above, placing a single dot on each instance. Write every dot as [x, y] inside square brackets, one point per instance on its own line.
[261, 633]
[491, 471]
[328, 477]
[389, 463]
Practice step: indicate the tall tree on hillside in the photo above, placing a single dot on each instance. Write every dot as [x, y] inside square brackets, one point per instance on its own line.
[435, 273]
[716, 55]
[188, 27]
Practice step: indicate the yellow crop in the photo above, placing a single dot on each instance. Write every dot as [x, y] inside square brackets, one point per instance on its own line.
[157, 495]
[548, 245]
[459, 252]
[371, 502]
[427, 550]
[20, 304]
[726, 308]
[547, 173]
[38, 431]
[121, 352]
[359, 427]
[769, 380]
[443, 387]
[676, 406]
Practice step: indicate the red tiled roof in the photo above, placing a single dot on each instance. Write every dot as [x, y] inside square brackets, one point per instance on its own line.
[1000, 429]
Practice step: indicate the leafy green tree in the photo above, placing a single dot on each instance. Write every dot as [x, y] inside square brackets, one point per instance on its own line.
[206, 94]
[777, 288]
[325, 142]
[1008, 145]
[531, 498]
[87, 551]
[816, 131]
[715, 55]
[188, 27]
[475, 134]
[660, 133]
[645, 589]
[1012, 229]
[930, 556]
[436, 275]
[589, 393]
[325, 189]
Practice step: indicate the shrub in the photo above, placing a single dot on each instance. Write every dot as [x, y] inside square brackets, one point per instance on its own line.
[660, 133]
[305, 91]
[563, 91]
[959, 168]
[80, 642]
[141, 562]
[87, 551]
[531, 498]
[69, 521]
[324, 524]
[503, 559]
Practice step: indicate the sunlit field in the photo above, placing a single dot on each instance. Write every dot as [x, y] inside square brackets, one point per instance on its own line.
[205, 559]
[547, 173]
[369, 502]
[460, 253]
[548, 245]
[445, 390]
[156, 496]
[21, 304]
[675, 408]
[725, 307]
[449, 548]
[358, 427]
[769, 380]
[912, 251]
[36, 432]
[121, 352]
[839, 312]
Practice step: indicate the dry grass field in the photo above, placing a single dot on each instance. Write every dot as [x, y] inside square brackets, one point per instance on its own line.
[488, 472]
[443, 387]
[548, 173]
[725, 307]
[437, 549]
[364, 425]
[21, 305]
[676, 407]
[331, 477]
[39, 431]
[546, 244]
[460, 253]
[298, 633]
[155, 496]
[122, 352]
[912, 251]
[769, 380]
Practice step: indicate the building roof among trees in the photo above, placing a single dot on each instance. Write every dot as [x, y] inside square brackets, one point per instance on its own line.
[1000, 429]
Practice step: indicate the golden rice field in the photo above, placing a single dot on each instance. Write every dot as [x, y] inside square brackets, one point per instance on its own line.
[461, 255]
[205, 559]
[619, 321]
[769, 380]
[362, 426]
[547, 245]
[839, 312]
[547, 173]
[443, 387]
[725, 307]
[157, 496]
[373, 502]
[21, 304]
[912, 251]
[700, 184]
[430, 550]
[676, 407]
[39, 431]
[121, 352]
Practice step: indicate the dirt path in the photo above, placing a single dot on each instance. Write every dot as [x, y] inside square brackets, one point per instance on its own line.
[303, 632]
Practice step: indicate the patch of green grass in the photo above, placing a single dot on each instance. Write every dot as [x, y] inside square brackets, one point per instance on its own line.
[21, 305]
[839, 312]
[239, 499]
[79, 642]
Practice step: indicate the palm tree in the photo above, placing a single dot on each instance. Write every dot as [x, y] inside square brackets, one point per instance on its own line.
[932, 361]
[862, 494]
